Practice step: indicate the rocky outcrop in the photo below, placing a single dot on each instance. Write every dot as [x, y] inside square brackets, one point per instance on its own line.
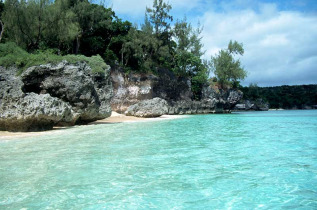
[223, 99]
[132, 93]
[129, 90]
[48, 95]
[35, 113]
[148, 108]
[249, 105]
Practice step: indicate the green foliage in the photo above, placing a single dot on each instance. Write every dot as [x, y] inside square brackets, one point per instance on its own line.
[187, 61]
[24, 21]
[235, 48]
[189, 65]
[119, 36]
[64, 27]
[228, 70]
[95, 23]
[96, 62]
[286, 97]
[198, 81]
[1, 7]
[187, 38]
[68, 25]
[140, 50]
[186, 64]
[34, 23]
[12, 55]
[159, 17]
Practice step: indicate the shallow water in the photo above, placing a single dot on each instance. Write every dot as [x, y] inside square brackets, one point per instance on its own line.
[251, 160]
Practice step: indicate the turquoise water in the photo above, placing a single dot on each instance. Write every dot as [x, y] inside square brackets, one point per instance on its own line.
[252, 160]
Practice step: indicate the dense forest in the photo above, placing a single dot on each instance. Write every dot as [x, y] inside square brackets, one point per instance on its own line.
[285, 97]
[35, 31]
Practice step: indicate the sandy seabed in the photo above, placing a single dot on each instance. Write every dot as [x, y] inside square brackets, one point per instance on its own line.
[114, 118]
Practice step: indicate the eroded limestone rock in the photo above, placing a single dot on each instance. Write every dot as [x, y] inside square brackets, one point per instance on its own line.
[48, 95]
[148, 108]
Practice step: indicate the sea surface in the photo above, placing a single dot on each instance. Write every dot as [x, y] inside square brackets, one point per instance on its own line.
[246, 160]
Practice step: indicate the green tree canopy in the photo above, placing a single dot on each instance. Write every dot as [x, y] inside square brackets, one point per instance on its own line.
[188, 38]
[34, 24]
[227, 69]
[25, 21]
[159, 16]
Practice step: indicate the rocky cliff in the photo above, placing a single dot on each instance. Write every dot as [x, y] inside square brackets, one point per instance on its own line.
[137, 94]
[48, 95]
[67, 94]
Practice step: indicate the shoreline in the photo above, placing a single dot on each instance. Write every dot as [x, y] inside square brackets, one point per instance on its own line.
[114, 118]
[121, 118]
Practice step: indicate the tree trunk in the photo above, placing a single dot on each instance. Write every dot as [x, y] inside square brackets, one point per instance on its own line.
[121, 55]
[76, 45]
[2, 30]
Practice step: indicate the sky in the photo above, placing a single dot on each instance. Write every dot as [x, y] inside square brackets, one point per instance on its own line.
[279, 37]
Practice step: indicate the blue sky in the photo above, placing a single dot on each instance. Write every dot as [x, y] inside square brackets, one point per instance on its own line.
[279, 37]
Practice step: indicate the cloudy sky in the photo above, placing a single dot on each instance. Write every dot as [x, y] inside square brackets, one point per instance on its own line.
[279, 36]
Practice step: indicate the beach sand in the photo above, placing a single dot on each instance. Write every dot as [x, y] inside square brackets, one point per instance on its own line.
[119, 118]
[114, 118]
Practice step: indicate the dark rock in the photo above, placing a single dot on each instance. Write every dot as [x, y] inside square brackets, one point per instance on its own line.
[171, 87]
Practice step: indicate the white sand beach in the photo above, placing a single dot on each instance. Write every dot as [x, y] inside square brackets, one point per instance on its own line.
[114, 118]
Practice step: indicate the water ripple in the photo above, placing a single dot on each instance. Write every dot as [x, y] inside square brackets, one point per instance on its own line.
[262, 160]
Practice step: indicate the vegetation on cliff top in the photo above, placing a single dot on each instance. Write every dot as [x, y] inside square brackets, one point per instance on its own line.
[48, 29]
[10, 54]
[228, 70]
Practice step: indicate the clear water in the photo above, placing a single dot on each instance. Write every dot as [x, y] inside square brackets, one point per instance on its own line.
[253, 160]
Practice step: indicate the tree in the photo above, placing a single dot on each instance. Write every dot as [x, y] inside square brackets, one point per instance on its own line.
[119, 31]
[64, 27]
[228, 70]
[24, 21]
[188, 48]
[159, 17]
[187, 58]
[140, 50]
[95, 24]
[152, 46]
[187, 38]
[34, 24]
[157, 22]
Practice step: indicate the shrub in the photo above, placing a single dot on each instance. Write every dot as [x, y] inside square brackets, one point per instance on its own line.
[12, 55]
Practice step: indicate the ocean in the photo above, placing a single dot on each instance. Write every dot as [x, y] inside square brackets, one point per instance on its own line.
[243, 160]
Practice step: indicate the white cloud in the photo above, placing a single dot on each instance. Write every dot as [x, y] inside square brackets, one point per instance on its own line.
[279, 46]
[274, 40]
